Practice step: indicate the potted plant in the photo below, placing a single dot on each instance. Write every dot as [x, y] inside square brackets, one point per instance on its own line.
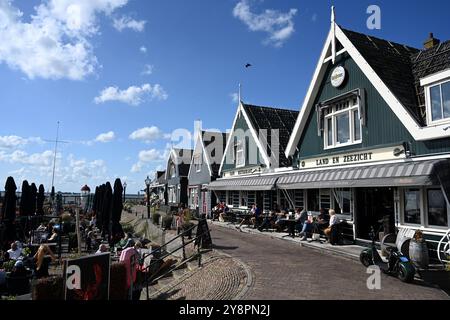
[155, 218]
[418, 250]
[50, 288]
[167, 222]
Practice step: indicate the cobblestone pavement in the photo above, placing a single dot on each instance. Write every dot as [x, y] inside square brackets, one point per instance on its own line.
[220, 278]
[284, 270]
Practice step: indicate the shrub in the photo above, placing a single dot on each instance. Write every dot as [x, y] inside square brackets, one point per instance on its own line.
[155, 218]
[118, 282]
[167, 222]
[127, 228]
[9, 265]
[51, 288]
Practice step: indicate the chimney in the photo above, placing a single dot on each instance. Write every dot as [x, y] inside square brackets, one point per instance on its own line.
[431, 42]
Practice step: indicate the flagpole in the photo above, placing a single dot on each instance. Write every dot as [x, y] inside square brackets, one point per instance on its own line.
[333, 40]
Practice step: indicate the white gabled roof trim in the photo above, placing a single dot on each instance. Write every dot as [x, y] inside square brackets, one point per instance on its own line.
[174, 154]
[203, 154]
[418, 133]
[254, 135]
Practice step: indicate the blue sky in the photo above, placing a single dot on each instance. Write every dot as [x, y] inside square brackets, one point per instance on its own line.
[122, 75]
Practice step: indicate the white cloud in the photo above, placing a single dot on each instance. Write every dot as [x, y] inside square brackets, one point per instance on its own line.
[106, 137]
[133, 95]
[136, 168]
[279, 25]
[143, 49]
[148, 156]
[234, 97]
[11, 142]
[148, 134]
[148, 70]
[54, 42]
[128, 23]
[43, 159]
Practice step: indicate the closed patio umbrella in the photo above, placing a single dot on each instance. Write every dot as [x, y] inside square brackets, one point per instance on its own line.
[106, 209]
[40, 201]
[33, 198]
[100, 195]
[116, 213]
[25, 200]
[8, 213]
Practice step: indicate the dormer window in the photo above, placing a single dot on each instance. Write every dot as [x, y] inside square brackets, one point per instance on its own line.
[198, 163]
[439, 102]
[437, 97]
[342, 125]
[240, 154]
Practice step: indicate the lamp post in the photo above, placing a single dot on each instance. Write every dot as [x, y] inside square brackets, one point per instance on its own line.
[124, 191]
[147, 183]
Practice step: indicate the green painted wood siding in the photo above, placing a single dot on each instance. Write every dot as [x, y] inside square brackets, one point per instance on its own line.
[241, 124]
[382, 125]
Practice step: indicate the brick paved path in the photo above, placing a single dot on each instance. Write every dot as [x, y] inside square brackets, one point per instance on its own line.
[284, 270]
[220, 278]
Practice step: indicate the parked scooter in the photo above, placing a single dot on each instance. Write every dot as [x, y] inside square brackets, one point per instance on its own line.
[397, 264]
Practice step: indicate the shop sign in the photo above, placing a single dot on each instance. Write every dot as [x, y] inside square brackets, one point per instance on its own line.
[382, 154]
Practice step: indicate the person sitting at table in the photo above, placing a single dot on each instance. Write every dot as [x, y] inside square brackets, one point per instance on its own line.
[49, 227]
[256, 216]
[223, 213]
[280, 224]
[323, 220]
[308, 227]
[43, 257]
[126, 242]
[301, 216]
[15, 252]
[102, 249]
[334, 220]
[41, 228]
[54, 236]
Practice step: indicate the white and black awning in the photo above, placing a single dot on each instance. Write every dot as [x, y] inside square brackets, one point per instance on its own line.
[412, 173]
[260, 183]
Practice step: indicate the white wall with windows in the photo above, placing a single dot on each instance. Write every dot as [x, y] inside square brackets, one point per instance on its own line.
[424, 207]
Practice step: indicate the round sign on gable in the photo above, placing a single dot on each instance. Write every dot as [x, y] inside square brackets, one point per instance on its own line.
[338, 77]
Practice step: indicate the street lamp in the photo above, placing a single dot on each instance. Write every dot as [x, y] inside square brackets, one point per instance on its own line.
[147, 183]
[124, 190]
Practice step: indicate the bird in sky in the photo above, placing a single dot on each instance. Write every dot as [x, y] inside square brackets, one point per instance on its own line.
[248, 65]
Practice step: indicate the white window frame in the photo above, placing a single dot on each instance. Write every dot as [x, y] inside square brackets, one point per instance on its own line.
[198, 162]
[423, 210]
[425, 197]
[333, 114]
[428, 103]
[240, 154]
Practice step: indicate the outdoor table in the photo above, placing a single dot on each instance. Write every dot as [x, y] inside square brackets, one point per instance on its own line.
[291, 226]
[245, 217]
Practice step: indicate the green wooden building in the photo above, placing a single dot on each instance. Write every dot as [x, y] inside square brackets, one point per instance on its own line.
[372, 139]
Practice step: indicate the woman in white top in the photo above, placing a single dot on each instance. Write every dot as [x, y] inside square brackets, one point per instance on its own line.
[333, 220]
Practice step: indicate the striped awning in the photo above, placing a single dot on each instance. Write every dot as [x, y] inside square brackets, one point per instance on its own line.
[412, 173]
[245, 184]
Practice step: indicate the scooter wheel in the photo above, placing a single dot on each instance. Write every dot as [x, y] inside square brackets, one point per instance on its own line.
[365, 259]
[406, 272]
